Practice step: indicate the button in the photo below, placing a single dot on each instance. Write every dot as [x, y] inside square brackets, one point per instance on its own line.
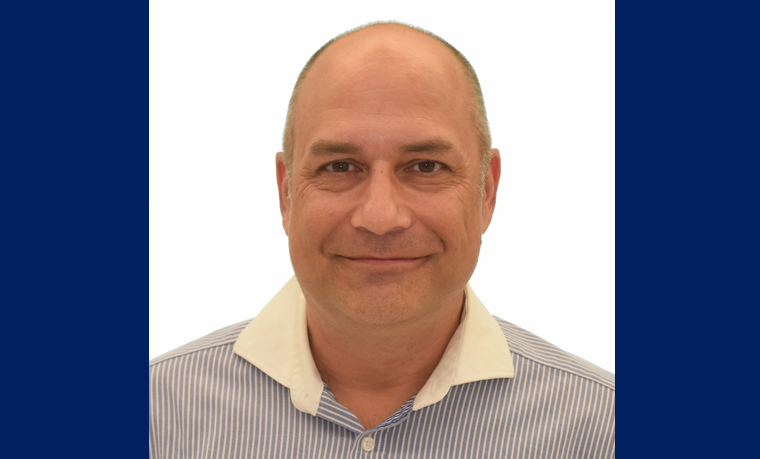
[368, 444]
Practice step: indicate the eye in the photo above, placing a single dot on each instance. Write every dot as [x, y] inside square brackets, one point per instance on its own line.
[340, 166]
[427, 166]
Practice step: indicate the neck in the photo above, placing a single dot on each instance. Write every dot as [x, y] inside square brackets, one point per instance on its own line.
[373, 369]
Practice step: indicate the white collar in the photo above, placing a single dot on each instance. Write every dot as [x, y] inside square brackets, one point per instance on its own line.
[277, 342]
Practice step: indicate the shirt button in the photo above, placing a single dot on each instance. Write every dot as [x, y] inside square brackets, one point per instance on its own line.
[368, 444]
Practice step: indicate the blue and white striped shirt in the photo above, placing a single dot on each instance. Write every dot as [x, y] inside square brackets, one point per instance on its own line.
[252, 390]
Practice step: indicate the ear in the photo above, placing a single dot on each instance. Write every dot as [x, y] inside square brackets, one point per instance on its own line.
[282, 187]
[492, 185]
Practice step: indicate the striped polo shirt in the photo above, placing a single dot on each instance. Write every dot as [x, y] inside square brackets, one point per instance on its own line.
[252, 390]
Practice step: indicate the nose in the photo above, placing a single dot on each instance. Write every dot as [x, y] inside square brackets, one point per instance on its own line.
[382, 209]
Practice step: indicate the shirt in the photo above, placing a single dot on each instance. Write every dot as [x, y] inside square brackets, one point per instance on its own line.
[253, 390]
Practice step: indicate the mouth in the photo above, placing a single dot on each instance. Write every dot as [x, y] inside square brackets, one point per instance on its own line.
[383, 261]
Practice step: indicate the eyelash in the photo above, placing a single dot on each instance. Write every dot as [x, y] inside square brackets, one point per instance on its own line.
[437, 166]
[328, 167]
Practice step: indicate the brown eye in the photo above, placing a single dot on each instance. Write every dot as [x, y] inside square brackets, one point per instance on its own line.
[340, 166]
[427, 166]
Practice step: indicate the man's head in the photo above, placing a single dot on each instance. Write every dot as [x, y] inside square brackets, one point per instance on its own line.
[478, 107]
[387, 195]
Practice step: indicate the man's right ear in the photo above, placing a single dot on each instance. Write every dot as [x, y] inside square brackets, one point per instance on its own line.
[282, 187]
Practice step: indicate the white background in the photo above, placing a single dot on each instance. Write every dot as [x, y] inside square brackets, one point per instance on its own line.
[221, 74]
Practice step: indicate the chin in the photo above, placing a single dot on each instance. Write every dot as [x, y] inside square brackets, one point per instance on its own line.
[383, 303]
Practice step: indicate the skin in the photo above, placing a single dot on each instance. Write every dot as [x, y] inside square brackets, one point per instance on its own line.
[384, 217]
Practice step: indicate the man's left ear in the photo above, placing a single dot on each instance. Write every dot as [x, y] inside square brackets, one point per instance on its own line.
[491, 186]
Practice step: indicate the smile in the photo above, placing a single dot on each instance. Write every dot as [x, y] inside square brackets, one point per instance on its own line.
[382, 262]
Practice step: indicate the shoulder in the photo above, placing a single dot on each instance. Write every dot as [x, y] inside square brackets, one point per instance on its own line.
[223, 337]
[526, 345]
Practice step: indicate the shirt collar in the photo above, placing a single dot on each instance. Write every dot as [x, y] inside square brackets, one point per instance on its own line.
[277, 342]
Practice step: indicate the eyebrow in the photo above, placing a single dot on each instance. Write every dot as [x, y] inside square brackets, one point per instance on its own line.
[428, 146]
[324, 147]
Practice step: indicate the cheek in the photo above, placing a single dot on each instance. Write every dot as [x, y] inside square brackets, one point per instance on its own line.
[454, 217]
[314, 218]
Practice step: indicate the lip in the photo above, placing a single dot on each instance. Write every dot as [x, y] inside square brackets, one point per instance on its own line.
[379, 262]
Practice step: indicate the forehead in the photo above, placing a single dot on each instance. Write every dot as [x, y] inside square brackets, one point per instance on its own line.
[384, 76]
[378, 56]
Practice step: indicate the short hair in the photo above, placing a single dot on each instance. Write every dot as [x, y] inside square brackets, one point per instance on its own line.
[479, 117]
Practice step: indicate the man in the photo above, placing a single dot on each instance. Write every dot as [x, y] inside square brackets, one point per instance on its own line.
[378, 347]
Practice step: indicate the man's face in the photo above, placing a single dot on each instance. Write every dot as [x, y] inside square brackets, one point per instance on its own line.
[385, 216]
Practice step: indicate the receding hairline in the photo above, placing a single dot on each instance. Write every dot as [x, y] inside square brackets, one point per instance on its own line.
[473, 85]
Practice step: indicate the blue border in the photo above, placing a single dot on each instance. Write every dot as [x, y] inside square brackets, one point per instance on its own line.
[75, 178]
[687, 205]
